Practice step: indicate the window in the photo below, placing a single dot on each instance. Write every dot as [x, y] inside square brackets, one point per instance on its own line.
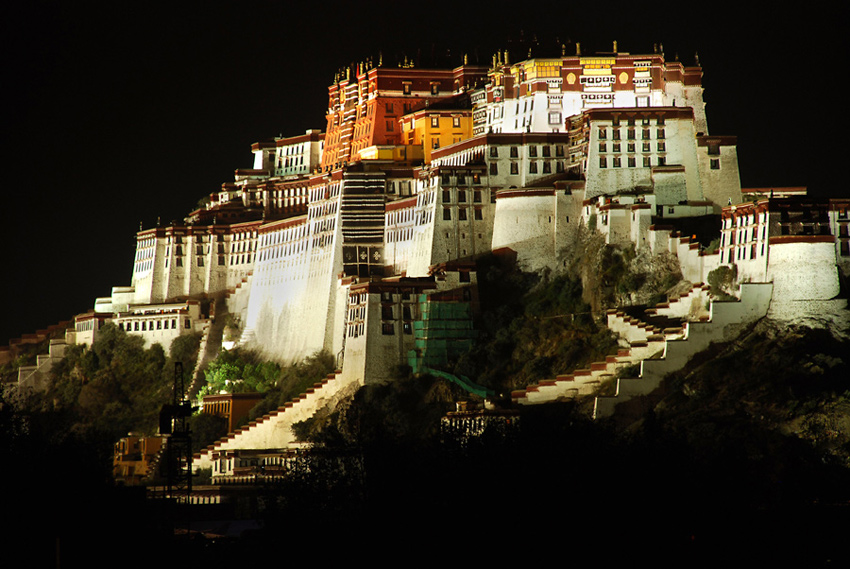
[715, 164]
[389, 126]
[631, 134]
[631, 161]
[435, 122]
[514, 168]
[603, 147]
[406, 88]
[547, 167]
[456, 122]
[389, 107]
[447, 214]
[387, 313]
[479, 214]
[616, 161]
[461, 214]
[476, 196]
[602, 134]
[187, 324]
[645, 121]
[514, 152]
[200, 261]
[646, 162]
[494, 152]
[532, 151]
[408, 328]
[660, 133]
[532, 167]
[645, 134]
[616, 134]
[555, 118]
[387, 329]
[435, 88]
[616, 148]
[646, 147]
[461, 194]
[547, 152]
[662, 160]
[662, 146]
[494, 169]
[660, 121]
[630, 147]
[603, 162]
[435, 143]
[559, 150]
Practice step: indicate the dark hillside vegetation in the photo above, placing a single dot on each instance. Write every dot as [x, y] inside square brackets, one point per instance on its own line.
[531, 328]
[99, 394]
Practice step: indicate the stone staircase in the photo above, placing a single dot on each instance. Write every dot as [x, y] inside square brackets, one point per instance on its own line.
[36, 377]
[662, 341]
[274, 430]
[724, 321]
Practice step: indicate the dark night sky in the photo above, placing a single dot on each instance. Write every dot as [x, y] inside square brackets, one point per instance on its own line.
[116, 115]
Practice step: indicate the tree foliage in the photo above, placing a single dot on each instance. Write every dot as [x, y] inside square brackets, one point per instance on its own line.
[98, 394]
[531, 327]
[238, 371]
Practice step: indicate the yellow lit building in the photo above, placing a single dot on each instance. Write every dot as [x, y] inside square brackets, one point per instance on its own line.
[132, 458]
[436, 128]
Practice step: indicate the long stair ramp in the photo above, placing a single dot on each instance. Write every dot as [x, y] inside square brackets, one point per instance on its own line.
[723, 322]
[274, 429]
[660, 340]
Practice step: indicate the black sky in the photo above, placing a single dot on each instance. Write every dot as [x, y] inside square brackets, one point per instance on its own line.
[116, 115]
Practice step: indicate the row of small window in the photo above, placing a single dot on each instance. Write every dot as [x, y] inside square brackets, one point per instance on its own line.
[150, 325]
[390, 108]
[660, 146]
[222, 260]
[283, 250]
[645, 121]
[630, 134]
[461, 179]
[387, 312]
[545, 151]
[740, 253]
[388, 328]
[532, 168]
[743, 235]
[631, 162]
[477, 214]
[461, 196]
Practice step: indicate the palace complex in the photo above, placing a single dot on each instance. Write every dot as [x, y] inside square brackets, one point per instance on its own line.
[362, 239]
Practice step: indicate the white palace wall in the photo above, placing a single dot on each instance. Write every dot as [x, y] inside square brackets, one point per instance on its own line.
[803, 270]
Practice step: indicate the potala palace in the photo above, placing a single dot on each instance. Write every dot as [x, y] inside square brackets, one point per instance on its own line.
[362, 239]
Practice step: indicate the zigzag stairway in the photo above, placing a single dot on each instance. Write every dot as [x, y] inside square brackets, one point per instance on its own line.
[658, 340]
